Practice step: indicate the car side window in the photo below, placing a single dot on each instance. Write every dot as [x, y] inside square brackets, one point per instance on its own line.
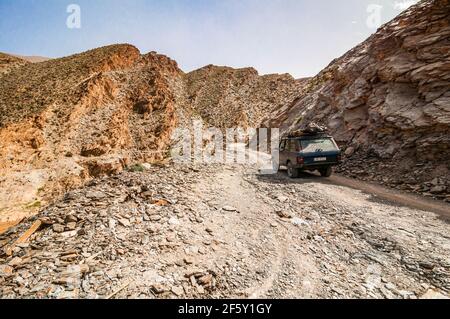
[291, 146]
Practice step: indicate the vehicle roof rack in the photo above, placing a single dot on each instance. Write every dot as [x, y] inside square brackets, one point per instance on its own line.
[310, 130]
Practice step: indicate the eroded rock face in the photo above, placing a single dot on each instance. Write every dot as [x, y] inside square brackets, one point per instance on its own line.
[65, 121]
[227, 98]
[389, 100]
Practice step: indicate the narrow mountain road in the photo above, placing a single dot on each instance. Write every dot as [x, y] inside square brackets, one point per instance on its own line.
[226, 231]
[393, 196]
[312, 238]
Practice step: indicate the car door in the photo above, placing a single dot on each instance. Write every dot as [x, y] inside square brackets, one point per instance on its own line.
[291, 148]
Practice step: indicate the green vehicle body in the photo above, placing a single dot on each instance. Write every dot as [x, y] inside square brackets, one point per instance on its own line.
[309, 153]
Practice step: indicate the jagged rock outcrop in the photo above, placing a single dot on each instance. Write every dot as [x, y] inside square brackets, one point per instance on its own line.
[387, 102]
[225, 97]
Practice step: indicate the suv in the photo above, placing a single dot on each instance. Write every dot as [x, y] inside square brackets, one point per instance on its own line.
[309, 152]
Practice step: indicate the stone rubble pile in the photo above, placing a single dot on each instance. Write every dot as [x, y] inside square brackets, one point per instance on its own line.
[84, 246]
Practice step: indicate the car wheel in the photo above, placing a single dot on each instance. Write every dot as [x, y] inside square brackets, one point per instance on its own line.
[326, 172]
[292, 172]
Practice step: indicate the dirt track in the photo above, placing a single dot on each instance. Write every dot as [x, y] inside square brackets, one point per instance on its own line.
[394, 196]
[335, 241]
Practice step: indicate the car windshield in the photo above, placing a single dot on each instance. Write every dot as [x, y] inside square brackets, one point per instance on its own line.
[318, 145]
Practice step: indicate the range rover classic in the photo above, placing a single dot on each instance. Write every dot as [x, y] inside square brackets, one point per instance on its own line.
[309, 152]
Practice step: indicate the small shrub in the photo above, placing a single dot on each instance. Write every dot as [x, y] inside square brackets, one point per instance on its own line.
[36, 204]
[136, 168]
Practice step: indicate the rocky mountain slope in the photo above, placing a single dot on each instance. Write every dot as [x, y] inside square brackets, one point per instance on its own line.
[241, 96]
[211, 231]
[387, 102]
[67, 120]
[9, 62]
[32, 58]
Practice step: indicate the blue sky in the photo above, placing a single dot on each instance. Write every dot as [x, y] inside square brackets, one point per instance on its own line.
[274, 36]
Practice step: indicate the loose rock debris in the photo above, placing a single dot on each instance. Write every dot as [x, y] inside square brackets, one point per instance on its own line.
[112, 239]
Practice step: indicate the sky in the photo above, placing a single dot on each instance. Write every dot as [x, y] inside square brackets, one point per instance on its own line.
[299, 37]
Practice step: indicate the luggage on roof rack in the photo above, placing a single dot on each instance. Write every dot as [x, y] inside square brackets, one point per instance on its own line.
[311, 129]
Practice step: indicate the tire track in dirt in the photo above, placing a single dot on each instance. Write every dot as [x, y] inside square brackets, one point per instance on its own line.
[259, 226]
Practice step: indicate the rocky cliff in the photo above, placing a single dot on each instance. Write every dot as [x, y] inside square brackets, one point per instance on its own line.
[65, 121]
[387, 102]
